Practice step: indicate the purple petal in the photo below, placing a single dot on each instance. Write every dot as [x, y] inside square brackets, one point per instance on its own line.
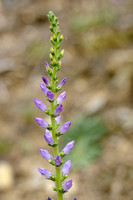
[57, 119]
[68, 147]
[57, 160]
[58, 109]
[41, 122]
[50, 95]
[46, 64]
[48, 137]
[44, 88]
[65, 127]
[66, 168]
[45, 154]
[40, 105]
[45, 172]
[61, 97]
[63, 82]
[45, 80]
[67, 185]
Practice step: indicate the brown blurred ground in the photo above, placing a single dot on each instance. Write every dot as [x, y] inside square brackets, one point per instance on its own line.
[98, 61]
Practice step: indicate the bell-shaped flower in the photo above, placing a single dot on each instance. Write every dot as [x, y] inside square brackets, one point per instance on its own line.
[48, 137]
[45, 80]
[57, 160]
[41, 122]
[46, 155]
[65, 127]
[62, 82]
[50, 95]
[67, 185]
[45, 172]
[66, 168]
[44, 88]
[40, 105]
[61, 97]
[69, 146]
[58, 109]
[57, 119]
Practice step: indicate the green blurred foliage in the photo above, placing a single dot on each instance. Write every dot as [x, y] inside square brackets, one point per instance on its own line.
[87, 133]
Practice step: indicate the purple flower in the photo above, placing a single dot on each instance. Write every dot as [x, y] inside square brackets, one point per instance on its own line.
[48, 137]
[40, 105]
[61, 97]
[57, 160]
[67, 185]
[45, 172]
[46, 155]
[45, 80]
[44, 88]
[57, 119]
[65, 127]
[66, 168]
[63, 82]
[46, 64]
[41, 122]
[68, 147]
[58, 109]
[50, 95]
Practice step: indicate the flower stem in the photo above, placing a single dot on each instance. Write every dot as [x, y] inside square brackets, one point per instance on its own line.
[56, 149]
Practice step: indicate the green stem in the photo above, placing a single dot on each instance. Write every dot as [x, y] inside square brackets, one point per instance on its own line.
[56, 149]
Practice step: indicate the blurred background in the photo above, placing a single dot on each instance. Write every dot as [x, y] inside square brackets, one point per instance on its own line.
[98, 62]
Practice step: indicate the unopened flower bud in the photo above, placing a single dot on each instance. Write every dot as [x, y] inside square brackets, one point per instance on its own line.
[67, 185]
[50, 95]
[44, 88]
[57, 160]
[58, 109]
[41, 122]
[45, 173]
[46, 155]
[40, 105]
[69, 146]
[65, 127]
[61, 97]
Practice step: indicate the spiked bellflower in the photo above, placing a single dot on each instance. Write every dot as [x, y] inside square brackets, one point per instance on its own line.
[53, 130]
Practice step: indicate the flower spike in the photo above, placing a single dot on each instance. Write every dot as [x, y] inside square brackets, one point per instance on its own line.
[50, 87]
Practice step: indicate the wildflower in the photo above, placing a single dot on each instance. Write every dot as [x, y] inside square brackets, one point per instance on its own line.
[45, 173]
[41, 122]
[62, 82]
[46, 155]
[67, 185]
[48, 137]
[57, 119]
[57, 160]
[65, 127]
[61, 97]
[58, 109]
[68, 147]
[50, 95]
[45, 80]
[44, 88]
[66, 168]
[40, 105]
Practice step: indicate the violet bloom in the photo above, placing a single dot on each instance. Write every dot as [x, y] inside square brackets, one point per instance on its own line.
[65, 127]
[45, 172]
[45, 80]
[48, 137]
[46, 155]
[41, 122]
[44, 88]
[58, 109]
[66, 168]
[61, 97]
[62, 82]
[46, 64]
[67, 185]
[57, 119]
[50, 95]
[57, 160]
[40, 105]
[68, 147]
